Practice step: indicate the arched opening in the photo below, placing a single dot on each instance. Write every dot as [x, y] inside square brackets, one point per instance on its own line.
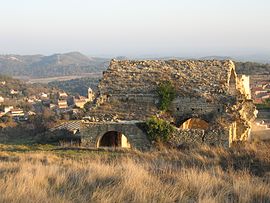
[232, 83]
[113, 139]
[194, 123]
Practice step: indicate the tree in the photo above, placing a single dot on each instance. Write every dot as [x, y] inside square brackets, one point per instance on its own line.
[159, 129]
[87, 106]
[166, 93]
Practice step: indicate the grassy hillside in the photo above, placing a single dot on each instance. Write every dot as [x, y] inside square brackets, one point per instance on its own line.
[202, 174]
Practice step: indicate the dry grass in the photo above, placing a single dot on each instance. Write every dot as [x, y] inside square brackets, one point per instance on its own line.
[198, 175]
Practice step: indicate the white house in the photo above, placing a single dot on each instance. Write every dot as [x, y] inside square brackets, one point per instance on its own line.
[1, 99]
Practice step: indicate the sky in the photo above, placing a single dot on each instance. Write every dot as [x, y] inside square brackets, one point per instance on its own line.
[135, 27]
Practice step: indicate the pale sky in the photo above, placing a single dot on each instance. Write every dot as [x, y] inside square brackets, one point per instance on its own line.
[135, 27]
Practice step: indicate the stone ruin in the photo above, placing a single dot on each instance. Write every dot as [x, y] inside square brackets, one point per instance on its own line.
[212, 106]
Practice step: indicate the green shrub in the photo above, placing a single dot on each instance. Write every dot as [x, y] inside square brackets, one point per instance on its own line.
[159, 129]
[166, 93]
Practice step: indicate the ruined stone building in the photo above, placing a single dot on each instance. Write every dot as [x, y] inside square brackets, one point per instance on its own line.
[212, 105]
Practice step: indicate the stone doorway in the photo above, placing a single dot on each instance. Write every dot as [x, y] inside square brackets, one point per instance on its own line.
[113, 139]
[194, 123]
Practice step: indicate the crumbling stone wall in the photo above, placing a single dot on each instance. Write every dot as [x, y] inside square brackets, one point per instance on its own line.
[212, 137]
[209, 90]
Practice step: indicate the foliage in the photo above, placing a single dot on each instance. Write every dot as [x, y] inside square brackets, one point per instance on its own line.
[159, 129]
[166, 93]
[87, 106]
[267, 101]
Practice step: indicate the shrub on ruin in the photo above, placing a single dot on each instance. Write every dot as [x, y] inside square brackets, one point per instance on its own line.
[159, 129]
[166, 92]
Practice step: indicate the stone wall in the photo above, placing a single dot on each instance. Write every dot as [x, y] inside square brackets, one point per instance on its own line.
[188, 107]
[209, 90]
[217, 137]
[130, 88]
[202, 78]
[91, 133]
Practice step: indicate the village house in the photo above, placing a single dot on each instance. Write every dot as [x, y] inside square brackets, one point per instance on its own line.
[43, 96]
[16, 112]
[2, 99]
[2, 114]
[31, 100]
[14, 92]
[261, 92]
[62, 104]
[80, 101]
[62, 95]
[8, 109]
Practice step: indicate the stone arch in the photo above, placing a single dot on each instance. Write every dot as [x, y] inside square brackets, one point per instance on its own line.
[134, 131]
[232, 82]
[113, 139]
[194, 123]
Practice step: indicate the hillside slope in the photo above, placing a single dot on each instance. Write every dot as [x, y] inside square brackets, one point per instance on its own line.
[72, 63]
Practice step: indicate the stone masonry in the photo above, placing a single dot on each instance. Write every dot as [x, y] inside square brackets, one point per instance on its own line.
[206, 89]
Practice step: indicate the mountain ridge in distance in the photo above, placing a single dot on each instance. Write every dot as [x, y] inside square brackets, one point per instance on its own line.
[53, 65]
[76, 63]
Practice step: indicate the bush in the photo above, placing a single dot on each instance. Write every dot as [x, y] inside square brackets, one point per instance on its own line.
[159, 129]
[166, 93]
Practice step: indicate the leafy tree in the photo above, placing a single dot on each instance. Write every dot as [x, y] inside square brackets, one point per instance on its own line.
[166, 93]
[158, 129]
[87, 106]
[267, 101]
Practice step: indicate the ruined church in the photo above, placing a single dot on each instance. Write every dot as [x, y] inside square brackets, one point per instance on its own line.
[212, 103]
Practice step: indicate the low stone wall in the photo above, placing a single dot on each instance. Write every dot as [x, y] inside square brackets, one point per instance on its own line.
[197, 136]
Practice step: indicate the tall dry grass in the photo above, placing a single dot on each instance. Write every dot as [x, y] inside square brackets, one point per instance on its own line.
[202, 174]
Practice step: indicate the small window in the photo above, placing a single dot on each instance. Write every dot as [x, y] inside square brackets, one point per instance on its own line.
[218, 110]
[177, 109]
[192, 109]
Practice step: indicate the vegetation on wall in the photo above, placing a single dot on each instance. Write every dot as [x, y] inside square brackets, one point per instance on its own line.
[166, 92]
[158, 129]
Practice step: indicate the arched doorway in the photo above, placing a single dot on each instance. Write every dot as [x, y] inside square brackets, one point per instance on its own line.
[194, 123]
[232, 83]
[113, 139]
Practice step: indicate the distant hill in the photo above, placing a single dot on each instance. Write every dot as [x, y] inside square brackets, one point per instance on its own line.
[251, 68]
[73, 63]
[216, 58]
[247, 68]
